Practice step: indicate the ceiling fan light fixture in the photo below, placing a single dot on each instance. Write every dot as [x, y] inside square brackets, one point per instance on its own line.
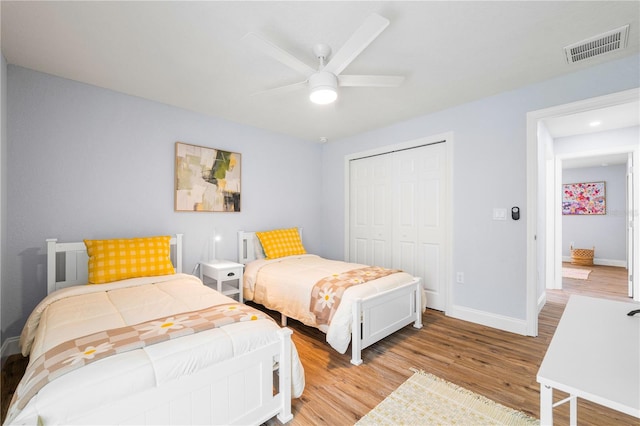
[323, 88]
[323, 96]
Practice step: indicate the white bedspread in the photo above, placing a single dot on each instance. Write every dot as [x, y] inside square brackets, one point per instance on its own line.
[82, 310]
[285, 285]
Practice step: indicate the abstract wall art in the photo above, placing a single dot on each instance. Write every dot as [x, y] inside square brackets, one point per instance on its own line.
[206, 179]
[583, 198]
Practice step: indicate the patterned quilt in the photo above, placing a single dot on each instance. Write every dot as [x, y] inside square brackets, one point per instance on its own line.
[327, 293]
[73, 354]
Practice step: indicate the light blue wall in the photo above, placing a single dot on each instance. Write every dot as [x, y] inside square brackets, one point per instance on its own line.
[606, 232]
[85, 162]
[489, 167]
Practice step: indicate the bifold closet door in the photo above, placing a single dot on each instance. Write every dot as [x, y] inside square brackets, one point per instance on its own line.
[370, 211]
[397, 215]
[419, 229]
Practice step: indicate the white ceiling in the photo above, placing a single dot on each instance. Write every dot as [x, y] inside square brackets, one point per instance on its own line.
[190, 54]
[593, 121]
[598, 120]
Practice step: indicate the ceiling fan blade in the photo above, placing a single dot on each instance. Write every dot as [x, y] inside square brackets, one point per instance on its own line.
[370, 80]
[277, 53]
[370, 29]
[282, 89]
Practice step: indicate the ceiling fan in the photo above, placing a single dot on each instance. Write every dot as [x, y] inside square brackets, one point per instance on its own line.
[323, 82]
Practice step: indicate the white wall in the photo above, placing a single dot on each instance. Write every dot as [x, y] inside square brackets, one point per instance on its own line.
[3, 175]
[579, 145]
[489, 168]
[85, 162]
[545, 184]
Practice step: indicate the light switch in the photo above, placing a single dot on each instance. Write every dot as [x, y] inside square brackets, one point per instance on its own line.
[499, 214]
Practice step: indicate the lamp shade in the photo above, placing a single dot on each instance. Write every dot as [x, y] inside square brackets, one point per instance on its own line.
[323, 88]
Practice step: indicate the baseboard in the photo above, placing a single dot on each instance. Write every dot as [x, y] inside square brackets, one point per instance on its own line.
[542, 300]
[602, 262]
[10, 346]
[501, 322]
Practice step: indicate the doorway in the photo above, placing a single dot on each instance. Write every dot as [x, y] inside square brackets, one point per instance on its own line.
[543, 247]
[604, 282]
[607, 229]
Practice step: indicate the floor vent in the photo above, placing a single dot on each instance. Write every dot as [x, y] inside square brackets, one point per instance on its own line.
[599, 45]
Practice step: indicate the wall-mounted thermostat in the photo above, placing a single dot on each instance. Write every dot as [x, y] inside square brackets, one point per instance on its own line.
[515, 213]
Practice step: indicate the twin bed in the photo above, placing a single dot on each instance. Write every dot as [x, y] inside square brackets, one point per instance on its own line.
[383, 302]
[242, 369]
[159, 347]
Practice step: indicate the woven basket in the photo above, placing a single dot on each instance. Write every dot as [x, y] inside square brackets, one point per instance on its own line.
[582, 257]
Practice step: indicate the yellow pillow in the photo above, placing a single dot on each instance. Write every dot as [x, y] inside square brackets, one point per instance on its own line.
[281, 242]
[119, 259]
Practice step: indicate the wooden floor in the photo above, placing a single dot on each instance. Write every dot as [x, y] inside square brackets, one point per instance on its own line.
[499, 365]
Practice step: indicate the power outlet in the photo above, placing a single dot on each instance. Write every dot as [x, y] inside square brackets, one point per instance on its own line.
[460, 277]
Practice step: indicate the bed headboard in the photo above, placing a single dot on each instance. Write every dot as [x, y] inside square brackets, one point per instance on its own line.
[247, 243]
[71, 266]
[246, 246]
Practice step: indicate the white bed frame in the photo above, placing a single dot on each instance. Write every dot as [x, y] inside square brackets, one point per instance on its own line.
[71, 266]
[378, 315]
[241, 390]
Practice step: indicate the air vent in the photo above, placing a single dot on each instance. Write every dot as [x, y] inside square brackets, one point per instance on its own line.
[599, 45]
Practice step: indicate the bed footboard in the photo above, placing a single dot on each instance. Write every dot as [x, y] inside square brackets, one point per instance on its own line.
[241, 390]
[380, 315]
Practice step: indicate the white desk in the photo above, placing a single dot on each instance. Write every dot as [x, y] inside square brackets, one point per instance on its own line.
[595, 355]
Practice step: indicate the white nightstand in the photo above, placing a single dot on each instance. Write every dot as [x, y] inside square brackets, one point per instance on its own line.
[224, 276]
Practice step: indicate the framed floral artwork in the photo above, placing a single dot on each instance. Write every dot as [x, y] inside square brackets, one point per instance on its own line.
[206, 179]
[583, 198]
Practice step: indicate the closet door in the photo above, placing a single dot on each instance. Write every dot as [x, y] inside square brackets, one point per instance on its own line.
[406, 202]
[431, 222]
[370, 211]
[398, 217]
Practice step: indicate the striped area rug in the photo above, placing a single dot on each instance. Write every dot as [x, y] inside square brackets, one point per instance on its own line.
[425, 399]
